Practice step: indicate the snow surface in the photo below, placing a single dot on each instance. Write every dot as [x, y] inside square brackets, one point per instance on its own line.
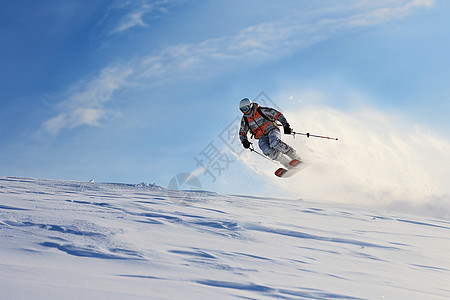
[75, 240]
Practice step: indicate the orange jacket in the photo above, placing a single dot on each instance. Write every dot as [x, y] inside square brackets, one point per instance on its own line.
[257, 124]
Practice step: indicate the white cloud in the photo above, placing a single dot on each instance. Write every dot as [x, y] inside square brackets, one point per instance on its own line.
[132, 19]
[86, 116]
[273, 39]
[136, 15]
[85, 104]
[55, 124]
[384, 14]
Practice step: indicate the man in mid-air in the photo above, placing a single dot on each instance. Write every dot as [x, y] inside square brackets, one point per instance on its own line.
[260, 121]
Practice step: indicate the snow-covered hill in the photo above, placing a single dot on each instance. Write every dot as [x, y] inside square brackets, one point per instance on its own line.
[75, 240]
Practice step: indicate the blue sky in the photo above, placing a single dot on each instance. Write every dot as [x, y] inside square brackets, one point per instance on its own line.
[134, 91]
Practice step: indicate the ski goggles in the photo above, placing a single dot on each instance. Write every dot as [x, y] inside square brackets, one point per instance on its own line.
[245, 109]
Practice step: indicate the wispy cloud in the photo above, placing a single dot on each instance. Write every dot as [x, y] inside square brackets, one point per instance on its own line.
[384, 14]
[135, 17]
[85, 103]
[273, 39]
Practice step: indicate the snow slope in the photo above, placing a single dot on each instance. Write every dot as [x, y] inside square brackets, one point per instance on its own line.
[75, 240]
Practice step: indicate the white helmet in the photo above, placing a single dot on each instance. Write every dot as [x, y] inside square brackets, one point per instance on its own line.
[245, 105]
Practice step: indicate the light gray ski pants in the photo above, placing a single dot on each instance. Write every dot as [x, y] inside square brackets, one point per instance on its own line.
[272, 145]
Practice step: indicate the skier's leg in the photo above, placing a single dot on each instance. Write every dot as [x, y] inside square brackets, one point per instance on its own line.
[275, 142]
[264, 145]
[273, 153]
[281, 158]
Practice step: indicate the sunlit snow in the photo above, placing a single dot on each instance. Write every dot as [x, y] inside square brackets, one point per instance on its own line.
[81, 240]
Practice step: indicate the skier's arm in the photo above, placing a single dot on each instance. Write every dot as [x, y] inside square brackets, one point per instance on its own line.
[275, 115]
[243, 133]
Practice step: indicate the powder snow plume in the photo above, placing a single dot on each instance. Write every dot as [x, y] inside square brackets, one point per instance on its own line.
[379, 159]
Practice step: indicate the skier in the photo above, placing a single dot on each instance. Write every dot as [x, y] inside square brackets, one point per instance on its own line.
[260, 121]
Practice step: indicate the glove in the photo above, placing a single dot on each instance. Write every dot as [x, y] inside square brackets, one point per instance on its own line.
[287, 129]
[246, 144]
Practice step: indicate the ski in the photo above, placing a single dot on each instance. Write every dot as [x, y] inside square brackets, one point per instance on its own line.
[294, 168]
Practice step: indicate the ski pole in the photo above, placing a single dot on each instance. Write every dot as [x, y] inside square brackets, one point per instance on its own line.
[313, 135]
[252, 149]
